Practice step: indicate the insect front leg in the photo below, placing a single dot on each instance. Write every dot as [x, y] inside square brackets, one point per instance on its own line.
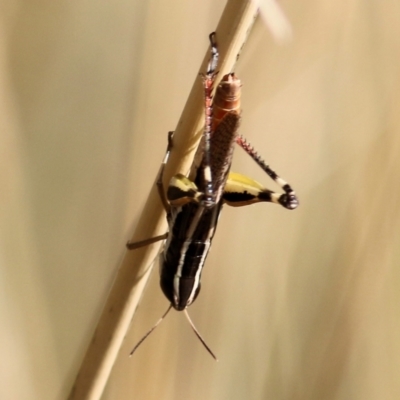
[241, 190]
[208, 85]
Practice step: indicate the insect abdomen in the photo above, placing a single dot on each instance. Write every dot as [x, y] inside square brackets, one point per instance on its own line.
[180, 270]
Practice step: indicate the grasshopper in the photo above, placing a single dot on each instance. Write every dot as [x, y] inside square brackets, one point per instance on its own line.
[193, 203]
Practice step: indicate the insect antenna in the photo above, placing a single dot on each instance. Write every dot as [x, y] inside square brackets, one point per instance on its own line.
[151, 330]
[198, 335]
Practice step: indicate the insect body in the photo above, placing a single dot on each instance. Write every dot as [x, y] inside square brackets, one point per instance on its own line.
[195, 206]
[193, 203]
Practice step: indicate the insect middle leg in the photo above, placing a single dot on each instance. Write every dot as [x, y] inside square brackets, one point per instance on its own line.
[146, 242]
[163, 197]
[160, 176]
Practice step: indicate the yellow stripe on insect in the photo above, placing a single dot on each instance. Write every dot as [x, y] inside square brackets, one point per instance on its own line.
[182, 190]
[248, 190]
[241, 182]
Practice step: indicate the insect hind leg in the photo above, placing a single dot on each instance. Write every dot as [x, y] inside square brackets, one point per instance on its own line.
[288, 199]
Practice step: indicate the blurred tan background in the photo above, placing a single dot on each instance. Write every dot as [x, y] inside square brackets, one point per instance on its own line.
[301, 305]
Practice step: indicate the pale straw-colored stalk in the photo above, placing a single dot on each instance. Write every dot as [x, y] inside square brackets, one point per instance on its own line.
[233, 28]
